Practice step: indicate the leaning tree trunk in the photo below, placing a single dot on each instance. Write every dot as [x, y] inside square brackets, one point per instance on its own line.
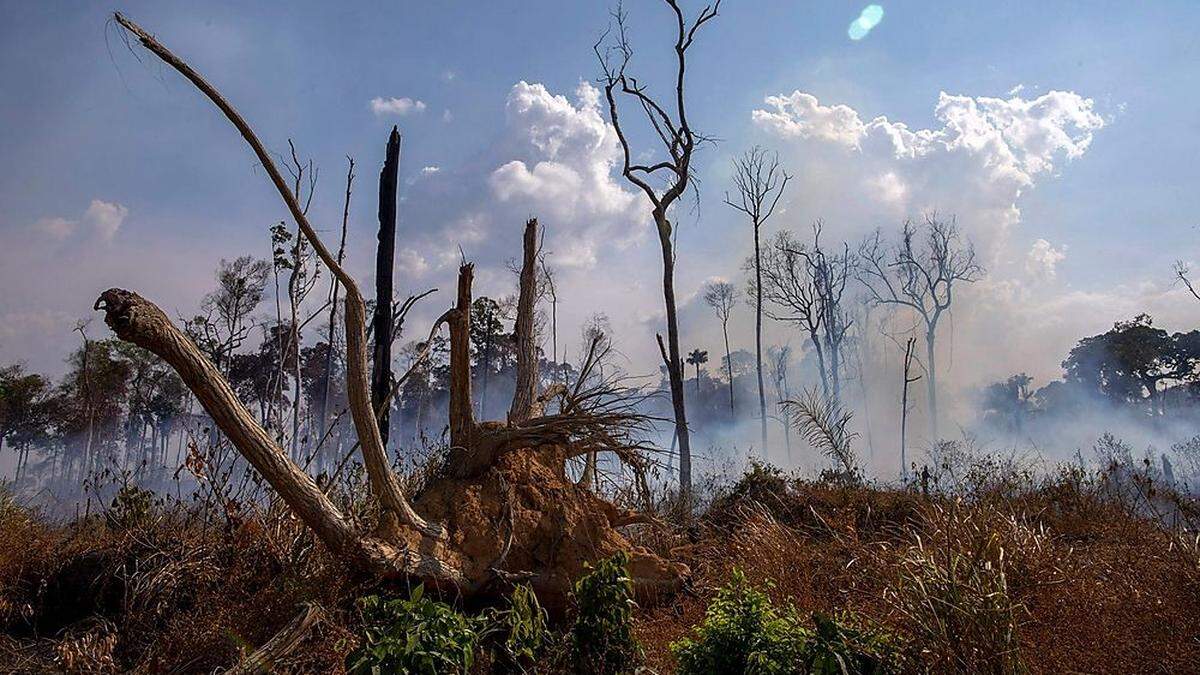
[504, 510]
[385, 255]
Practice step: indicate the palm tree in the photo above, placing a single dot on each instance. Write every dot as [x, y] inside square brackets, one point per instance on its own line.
[697, 357]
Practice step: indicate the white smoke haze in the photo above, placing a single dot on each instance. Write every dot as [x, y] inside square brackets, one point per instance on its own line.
[557, 159]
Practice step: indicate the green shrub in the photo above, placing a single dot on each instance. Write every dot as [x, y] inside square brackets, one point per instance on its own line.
[417, 635]
[838, 646]
[602, 641]
[521, 629]
[743, 632]
[130, 508]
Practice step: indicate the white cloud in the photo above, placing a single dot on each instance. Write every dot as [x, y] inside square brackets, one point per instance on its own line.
[57, 228]
[976, 163]
[105, 217]
[567, 176]
[800, 115]
[1042, 259]
[396, 106]
[425, 171]
[411, 263]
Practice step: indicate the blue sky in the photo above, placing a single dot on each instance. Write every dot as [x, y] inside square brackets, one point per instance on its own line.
[117, 173]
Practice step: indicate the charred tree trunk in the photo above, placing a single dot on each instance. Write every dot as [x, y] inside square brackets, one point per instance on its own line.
[385, 255]
[527, 364]
[462, 416]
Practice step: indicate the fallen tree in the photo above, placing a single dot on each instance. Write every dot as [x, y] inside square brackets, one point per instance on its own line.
[502, 509]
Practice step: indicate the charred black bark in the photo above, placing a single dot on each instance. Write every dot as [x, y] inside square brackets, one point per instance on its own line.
[385, 254]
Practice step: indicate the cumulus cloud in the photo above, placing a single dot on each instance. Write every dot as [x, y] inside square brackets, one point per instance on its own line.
[396, 106]
[101, 219]
[105, 217]
[975, 163]
[1042, 260]
[567, 176]
[555, 159]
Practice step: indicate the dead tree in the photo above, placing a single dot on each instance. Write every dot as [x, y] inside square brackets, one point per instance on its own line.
[722, 296]
[907, 379]
[1183, 274]
[679, 142]
[829, 274]
[760, 183]
[488, 518]
[385, 256]
[527, 362]
[790, 288]
[334, 289]
[922, 277]
[778, 358]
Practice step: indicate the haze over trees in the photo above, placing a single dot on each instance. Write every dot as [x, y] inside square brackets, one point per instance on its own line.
[295, 448]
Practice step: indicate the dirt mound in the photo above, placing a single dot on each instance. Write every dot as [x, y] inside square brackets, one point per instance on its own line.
[523, 520]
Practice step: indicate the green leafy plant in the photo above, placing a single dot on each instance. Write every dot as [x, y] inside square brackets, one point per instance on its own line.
[521, 628]
[602, 641]
[417, 635]
[130, 508]
[743, 632]
[838, 646]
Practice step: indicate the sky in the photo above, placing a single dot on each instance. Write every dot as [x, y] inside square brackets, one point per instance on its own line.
[1062, 137]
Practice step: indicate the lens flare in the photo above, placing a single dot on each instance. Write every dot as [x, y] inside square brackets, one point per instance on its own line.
[867, 20]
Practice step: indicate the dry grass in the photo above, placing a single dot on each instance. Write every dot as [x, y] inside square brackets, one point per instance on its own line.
[1049, 575]
[1033, 576]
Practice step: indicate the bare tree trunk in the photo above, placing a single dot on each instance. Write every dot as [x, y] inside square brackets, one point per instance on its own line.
[333, 302]
[758, 323]
[908, 358]
[821, 364]
[675, 365]
[527, 365]
[728, 367]
[89, 405]
[385, 255]
[931, 383]
[835, 366]
[462, 416]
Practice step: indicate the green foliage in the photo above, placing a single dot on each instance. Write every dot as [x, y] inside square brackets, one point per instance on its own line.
[130, 507]
[523, 627]
[417, 635]
[838, 646]
[743, 632]
[602, 641]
